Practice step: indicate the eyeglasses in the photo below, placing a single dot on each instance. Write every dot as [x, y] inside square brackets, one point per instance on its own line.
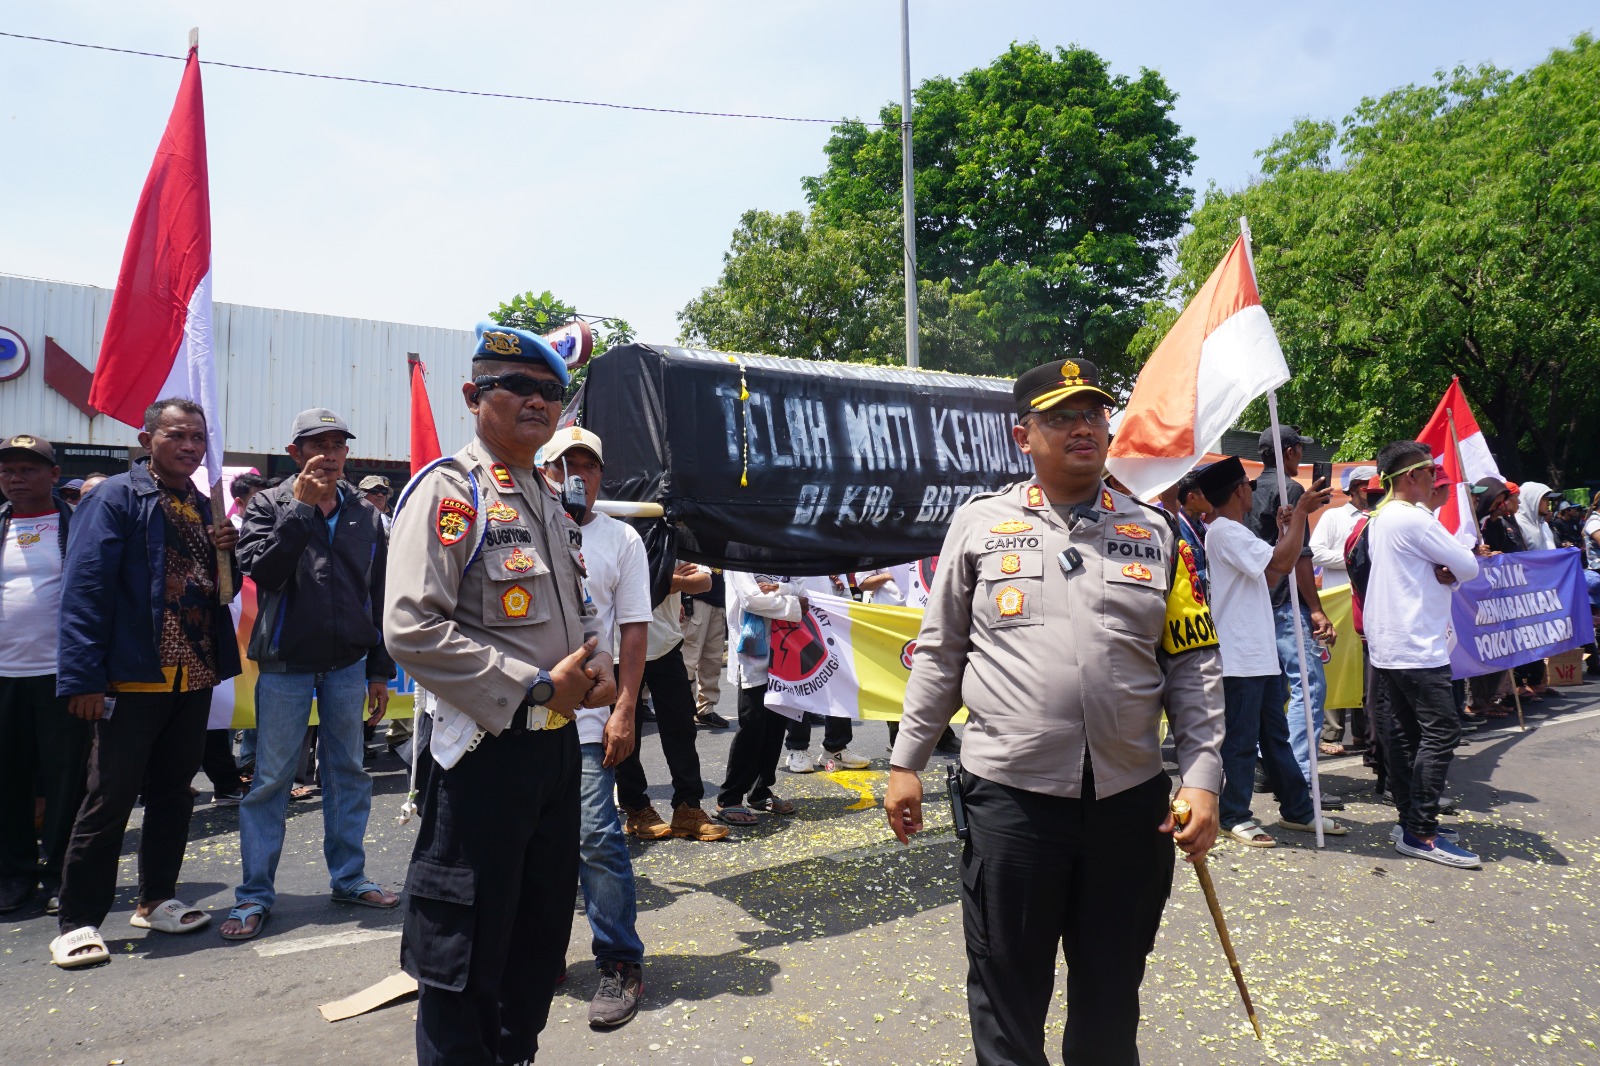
[523, 385]
[1067, 418]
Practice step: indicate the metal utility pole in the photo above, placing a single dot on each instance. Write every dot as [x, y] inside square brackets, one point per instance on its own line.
[908, 195]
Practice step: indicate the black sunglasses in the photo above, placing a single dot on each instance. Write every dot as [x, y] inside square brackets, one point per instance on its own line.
[522, 385]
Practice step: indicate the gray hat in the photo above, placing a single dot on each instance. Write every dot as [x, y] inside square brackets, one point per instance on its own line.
[37, 446]
[373, 481]
[318, 420]
[1357, 476]
[1290, 435]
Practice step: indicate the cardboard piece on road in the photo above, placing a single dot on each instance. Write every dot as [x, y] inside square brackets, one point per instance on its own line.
[1565, 669]
[390, 989]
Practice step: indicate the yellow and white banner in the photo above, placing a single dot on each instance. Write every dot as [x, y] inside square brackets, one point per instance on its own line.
[1344, 668]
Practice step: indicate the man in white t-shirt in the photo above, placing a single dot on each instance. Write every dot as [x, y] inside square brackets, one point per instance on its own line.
[1327, 552]
[618, 582]
[1406, 615]
[1241, 565]
[43, 749]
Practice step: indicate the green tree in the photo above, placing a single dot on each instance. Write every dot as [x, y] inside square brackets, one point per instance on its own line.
[545, 312]
[1443, 229]
[1046, 191]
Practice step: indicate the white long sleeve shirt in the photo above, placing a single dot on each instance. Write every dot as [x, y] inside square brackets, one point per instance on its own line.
[1406, 611]
[1327, 543]
[744, 594]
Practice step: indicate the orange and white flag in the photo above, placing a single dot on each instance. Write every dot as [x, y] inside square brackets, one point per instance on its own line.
[1218, 356]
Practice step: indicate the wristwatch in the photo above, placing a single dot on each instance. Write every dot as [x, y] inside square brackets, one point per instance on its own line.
[542, 691]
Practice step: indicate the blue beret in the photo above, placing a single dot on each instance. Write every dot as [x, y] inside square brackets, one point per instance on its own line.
[506, 345]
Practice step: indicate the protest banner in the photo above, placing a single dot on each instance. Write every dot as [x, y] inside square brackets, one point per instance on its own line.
[844, 658]
[1342, 663]
[1522, 607]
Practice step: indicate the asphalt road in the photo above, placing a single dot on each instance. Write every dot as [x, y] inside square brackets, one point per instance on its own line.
[818, 940]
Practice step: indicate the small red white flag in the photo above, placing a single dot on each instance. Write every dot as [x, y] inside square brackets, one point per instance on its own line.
[1218, 356]
[1470, 447]
[158, 339]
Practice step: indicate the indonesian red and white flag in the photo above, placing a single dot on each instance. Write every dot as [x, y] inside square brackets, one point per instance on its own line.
[158, 339]
[1470, 447]
[1218, 356]
[424, 432]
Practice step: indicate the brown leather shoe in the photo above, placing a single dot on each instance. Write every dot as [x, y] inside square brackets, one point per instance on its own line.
[646, 824]
[693, 823]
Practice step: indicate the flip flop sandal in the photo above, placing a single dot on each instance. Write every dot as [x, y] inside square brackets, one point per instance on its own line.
[1252, 835]
[740, 816]
[1331, 750]
[85, 936]
[773, 805]
[169, 918]
[357, 896]
[242, 914]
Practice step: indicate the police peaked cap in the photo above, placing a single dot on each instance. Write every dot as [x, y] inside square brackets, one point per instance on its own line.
[503, 344]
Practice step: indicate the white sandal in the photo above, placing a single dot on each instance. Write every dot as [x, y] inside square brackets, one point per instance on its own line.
[85, 936]
[169, 918]
[1252, 835]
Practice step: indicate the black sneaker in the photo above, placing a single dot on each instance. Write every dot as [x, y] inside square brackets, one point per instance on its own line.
[227, 799]
[710, 720]
[1332, 801]
[15, 895]
[616, 1001]
[949, 743]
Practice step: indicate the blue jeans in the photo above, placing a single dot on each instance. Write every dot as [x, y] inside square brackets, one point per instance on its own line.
[1284, 621]
[604, 868]
[283, 711]
[1253, 717]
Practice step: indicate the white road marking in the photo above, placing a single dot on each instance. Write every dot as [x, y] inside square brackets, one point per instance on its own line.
[332, 940]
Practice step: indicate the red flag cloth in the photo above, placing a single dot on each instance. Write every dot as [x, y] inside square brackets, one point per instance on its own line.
[158, 339]
[424, 434]
[1465, 460]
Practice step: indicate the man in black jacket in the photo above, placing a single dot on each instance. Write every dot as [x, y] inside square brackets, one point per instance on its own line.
[317, 552]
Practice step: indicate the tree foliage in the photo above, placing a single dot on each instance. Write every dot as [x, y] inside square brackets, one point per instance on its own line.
[545, 312]
[1444, 229]
[1046, 190]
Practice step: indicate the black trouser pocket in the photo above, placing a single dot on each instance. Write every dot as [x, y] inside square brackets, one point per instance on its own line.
[440, 921]
[974, 919]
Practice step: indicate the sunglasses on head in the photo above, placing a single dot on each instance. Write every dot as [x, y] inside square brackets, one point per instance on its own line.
[522, 385]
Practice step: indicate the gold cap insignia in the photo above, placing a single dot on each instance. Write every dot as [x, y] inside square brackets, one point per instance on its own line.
[503, 343]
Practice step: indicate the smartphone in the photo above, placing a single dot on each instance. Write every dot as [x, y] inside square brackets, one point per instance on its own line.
[1322, 472]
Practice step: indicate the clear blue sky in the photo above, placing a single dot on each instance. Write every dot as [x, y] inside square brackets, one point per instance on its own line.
[391, 204]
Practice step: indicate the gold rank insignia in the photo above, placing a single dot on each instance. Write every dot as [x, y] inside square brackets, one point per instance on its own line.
[1106, 502]
[516, 601]
[1011, 526]
[455, 518]
[1009, 601]
[1035, 496]
[1010, 564]
[1133, 532]
[518, 562]
[1137, 571]
[502, 476]
[500, 512]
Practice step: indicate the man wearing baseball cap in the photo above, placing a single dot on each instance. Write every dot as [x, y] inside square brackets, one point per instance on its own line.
[43, 748]
[378, 492]
[318, 553]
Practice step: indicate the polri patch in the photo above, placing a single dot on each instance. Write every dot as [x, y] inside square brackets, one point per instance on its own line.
[1035, 496]
[515, 601]
[1010, 564]
[501, 512]
[455, 518]
[518, 562]
[1009, 601]
[502, 476]
[1011, 526]
[1132, 531]
[1137, 571]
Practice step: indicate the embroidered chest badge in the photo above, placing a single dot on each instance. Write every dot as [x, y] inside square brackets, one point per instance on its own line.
[501, 512]
[455, 518]
[502, 476]
[515, 601]
[1133, 532]
[518, 562]
[1035, 496]
[1106, 502]
[1137, 571]
[1009, 601]
[1010, 564]
[1011, 526]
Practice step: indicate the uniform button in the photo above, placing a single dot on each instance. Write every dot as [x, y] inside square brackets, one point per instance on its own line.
[501, 701]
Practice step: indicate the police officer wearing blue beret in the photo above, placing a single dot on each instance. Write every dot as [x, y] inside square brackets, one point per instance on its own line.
[485, 607]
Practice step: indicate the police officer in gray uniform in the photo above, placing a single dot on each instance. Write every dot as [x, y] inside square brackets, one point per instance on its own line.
[485, 607]
[1065, 616]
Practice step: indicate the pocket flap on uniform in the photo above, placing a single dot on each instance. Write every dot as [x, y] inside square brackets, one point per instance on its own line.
[997, 566]
[442, 881]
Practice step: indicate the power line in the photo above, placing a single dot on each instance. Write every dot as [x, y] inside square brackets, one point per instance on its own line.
[435, 88]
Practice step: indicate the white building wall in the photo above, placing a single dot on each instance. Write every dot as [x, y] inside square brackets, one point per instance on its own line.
[272, 365]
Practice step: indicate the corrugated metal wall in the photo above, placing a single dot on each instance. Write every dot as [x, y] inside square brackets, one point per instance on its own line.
[272, 365]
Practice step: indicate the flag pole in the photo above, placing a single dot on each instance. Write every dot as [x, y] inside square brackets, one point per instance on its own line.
[1312, 737]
